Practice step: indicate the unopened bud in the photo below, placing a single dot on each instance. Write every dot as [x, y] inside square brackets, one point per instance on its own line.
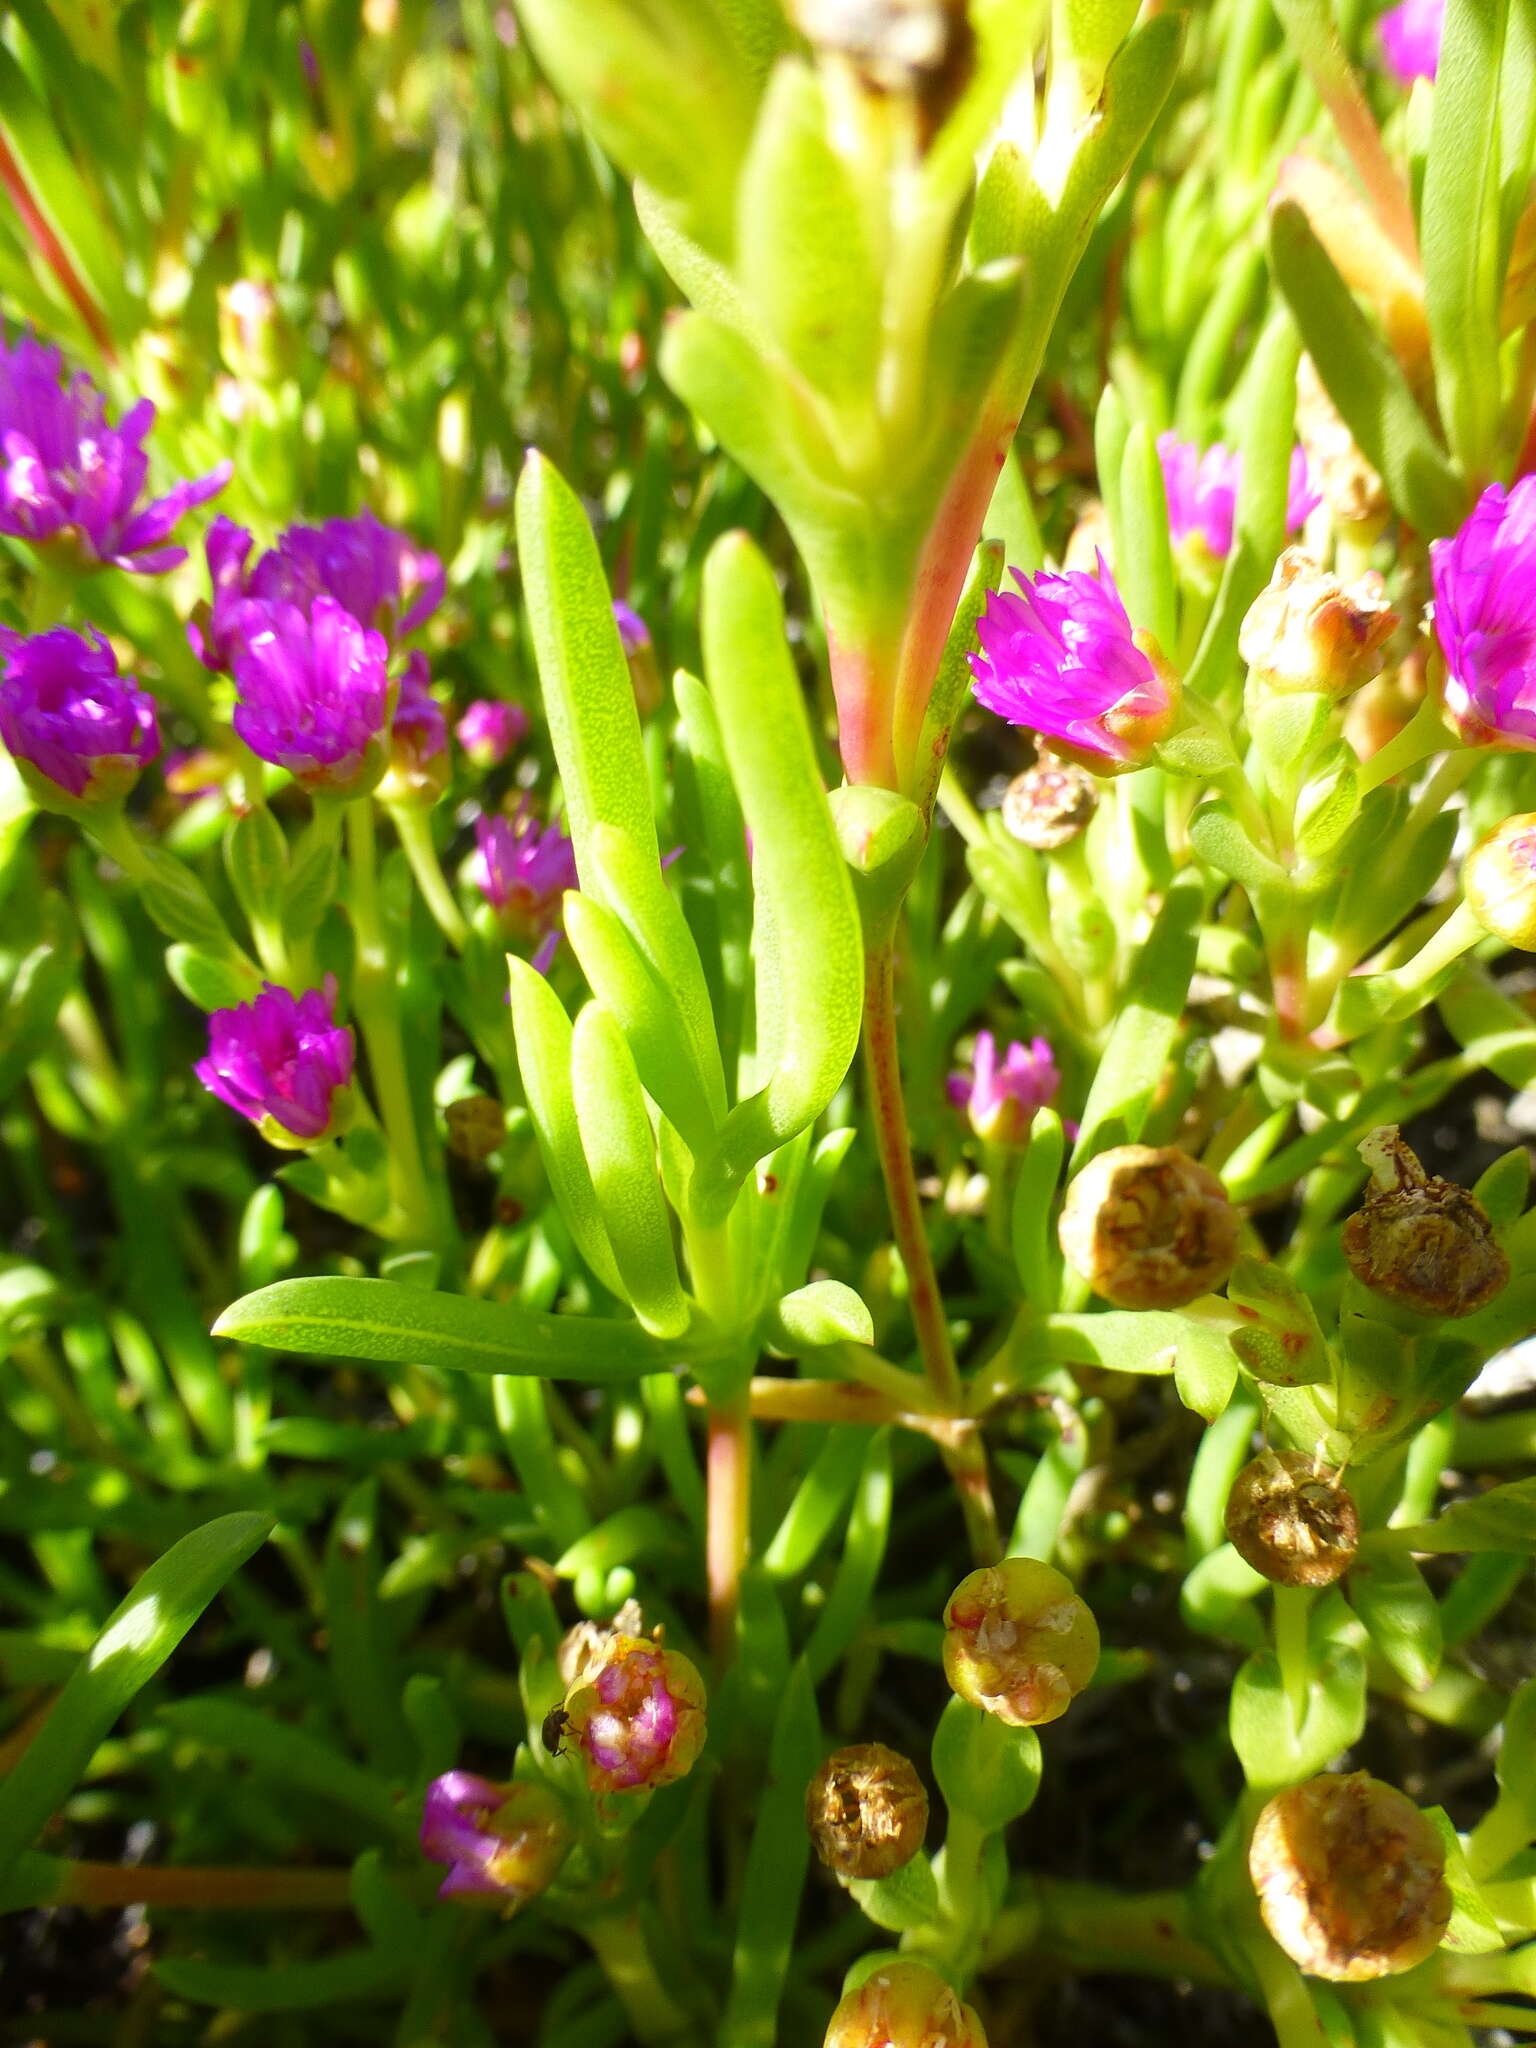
[255, 339]
[638, 1720]
[917, 49]
[1423, 1242]
[1090, 538]
[500, 1842]
[1019, 1642]
[1351, 488]
[1050, 804]
[1499, 882]
[904, 2005]
[1148, 1227]
[476, 1126]
[1291, 1524]
[1308, 631]
[867, 1811]
[1350, 1877]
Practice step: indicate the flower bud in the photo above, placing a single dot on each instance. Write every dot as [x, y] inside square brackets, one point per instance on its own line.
[1351, 488]
[1350, 1877]
[1018, 1641]
[1308, 631]
[638, 1718]
[490, 729]
[1499, 882]
[1291, 1524]
[1001, 1096]
[1050, 804]
[78, 730]
[867, 1811]
[255, 340]
[917, 49]
[1420, 1241]
[503, 1842]
[904, 2005]
[1148, 1227]
[283, 1062]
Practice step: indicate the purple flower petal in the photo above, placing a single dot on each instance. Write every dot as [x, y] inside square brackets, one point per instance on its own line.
[65, 710]
[1485, 617]
[280, 1056]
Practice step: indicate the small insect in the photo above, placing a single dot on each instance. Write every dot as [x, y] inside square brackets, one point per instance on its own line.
[556, 1722]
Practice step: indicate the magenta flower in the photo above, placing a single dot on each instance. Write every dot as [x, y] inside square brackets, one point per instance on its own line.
[490, 729]
[1202, 491]
[72, 479]
[499, 1841]
[377, 574]
[68, 715]
[282, 1061]
[1001, 1100]
[1060, 658]
[1485, 618]
[633, 631]
[523, 871]
[1410, 38]
[313, 692]
[638, 1720]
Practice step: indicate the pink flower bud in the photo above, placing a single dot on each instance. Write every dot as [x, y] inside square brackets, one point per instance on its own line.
[904, 2004]
[500, 1842]
[638, 1718]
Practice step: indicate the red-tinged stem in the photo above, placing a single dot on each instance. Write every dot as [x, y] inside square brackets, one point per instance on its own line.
[966, 1459]
[728, 1486]
[53, 253]
[862, 686]
[1525, 461]
[942, 568]
[130, 1884]
[1322, 54]
[1288, 981]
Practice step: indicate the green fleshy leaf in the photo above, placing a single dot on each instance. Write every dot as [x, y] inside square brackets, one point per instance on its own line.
[1143, 1035]
[1388, 1592]
[621, 1153]
[1143, 551]
[810, 964]
[543, 1034]
[984, 1768]
[143, 1632]
[1473, 1930]
[1504, 1518]
[907, 1899]
[387, 1324]
[1147, 1340]
[825, 1312]
[1363, 378]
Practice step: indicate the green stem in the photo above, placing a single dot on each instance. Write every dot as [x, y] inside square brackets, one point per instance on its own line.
[1424, 734]
[116, 1885]
[414, 827]
[374, 996]
[1087, 1928]
[966, 1461]
[1292, 1607]
[621, 1951]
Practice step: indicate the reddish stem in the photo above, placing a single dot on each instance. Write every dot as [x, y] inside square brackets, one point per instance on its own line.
[862, 686]
[728, 1476]
[53, 253]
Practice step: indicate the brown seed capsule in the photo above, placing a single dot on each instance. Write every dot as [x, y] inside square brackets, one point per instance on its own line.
[1019, 1642]
[904, 2005]
[1050, 804]
[1498, 880]
[1350, 1877]
[1148, 1227]
[476, 1126]
[1308, 631]
[1290, 1523]
[1420, 1241]
[867, 1811]
[919, 49]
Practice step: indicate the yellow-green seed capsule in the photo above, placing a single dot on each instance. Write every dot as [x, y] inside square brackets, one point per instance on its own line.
[1499, 882]
[867, 1811]
[1019, 1642]
[904, 2005]
[1350, 1877]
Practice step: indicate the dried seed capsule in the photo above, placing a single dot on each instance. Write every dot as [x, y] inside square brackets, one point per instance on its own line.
[867, 1811]
[1499, 882]
[638, 1720]
[1050, 804]
[1308, 631]
[476, 1126]
[1350, 1877]
[501, 1842]
[917, 49]
[1148, 1227]
[1019, 1642]
[1290, 1523]
[904, 2005]
[1420, 1241]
